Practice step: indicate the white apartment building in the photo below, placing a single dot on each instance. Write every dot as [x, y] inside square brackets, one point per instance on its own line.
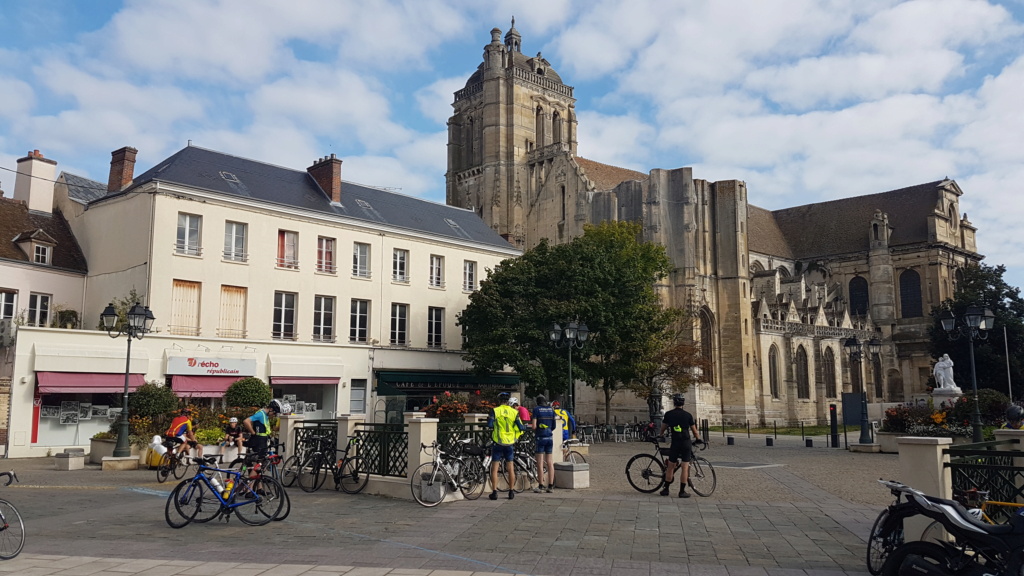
[343, 297]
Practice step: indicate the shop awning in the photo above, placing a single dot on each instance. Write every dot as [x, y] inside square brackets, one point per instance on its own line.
[86, 382]
[285, 380]
[394, 382]
[201, 386]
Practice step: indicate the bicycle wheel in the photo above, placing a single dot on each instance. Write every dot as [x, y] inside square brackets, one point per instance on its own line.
[182, 503]
[428, 484]
[575, 457]
[523, 480]
[472, 479]
[312, 473]
[645, 473]
[258, 506]
[286, 508]
[12, 534]
[163, 469]
[353, 476]
[702, 477]
[290, 471]
[181, 465]
[879, 548]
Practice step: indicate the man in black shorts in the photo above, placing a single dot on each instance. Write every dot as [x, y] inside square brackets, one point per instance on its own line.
[679, 423]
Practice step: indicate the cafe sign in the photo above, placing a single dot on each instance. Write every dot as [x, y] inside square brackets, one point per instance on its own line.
[195, 366]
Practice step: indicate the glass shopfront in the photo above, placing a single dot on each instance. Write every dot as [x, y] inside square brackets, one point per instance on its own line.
[70, 407]
[313, 397]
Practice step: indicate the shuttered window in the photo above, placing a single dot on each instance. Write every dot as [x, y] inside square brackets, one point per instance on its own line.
[185, 308]
[232, 311]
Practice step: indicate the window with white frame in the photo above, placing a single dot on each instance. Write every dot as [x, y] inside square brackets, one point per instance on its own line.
[436, 271]
[8, 303]
[185, 308]
[325, 255]
[435, 327]
[400, 265]
[287, 249]
[234, 241]
[42, 254]
[284, 316]
[399, 324]
[359, 321]
[323, 319]
[469, 276]
[189, 229]
[361, 260]
[357, 400]
[233, 301]
[38, 309]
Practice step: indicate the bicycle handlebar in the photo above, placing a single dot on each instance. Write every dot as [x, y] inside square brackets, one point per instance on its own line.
[11, 477]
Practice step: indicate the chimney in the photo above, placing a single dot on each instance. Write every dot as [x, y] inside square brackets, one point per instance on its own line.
[122, 168]
[35, 181]
[327, 173]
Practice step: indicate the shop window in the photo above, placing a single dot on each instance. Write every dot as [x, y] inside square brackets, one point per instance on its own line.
[65, 419]
[357, 400]
[287, 249]
[325, 255]
[38, 310]
[284, 316]
[435, 327]
[399, 325]
[436, 271]
[234, 241]
[400, 266]
[469, 276]
[323, 319]
[185, 308]
[189, 228]
[361, 260]
[359, 321]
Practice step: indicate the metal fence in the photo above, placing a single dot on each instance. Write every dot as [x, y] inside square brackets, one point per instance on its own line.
[307, 433]
[983, 466]
[384, 448]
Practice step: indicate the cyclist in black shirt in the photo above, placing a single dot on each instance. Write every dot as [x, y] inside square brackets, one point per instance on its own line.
[680, 423]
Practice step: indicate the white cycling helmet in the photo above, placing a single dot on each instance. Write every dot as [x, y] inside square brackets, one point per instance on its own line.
[513, 400]
[233, 420]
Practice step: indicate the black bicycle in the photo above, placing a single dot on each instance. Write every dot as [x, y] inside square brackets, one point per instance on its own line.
[646, 472]
[12, 529]
[349, 472]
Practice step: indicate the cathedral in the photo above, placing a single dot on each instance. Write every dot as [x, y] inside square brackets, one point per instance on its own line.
[778, 296]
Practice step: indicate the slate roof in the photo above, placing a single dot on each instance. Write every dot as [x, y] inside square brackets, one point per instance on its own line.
[17, 221]
[606, 176]
[83, 190]
[243, 178]
[841, 226]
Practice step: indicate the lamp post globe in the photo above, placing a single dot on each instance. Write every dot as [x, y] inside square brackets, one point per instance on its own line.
[855, 349]
[975, 325]
[572, 336]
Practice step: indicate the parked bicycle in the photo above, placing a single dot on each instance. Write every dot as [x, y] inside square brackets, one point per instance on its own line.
[218, 493]
[570, 455]
[646, 472]
[12, 529]
[430, 482]
[348, 471]
[255, 466]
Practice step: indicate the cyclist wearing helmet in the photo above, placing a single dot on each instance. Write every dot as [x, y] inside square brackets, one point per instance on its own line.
[680, 423]
[258, 426]
[181, 429]
[524, 412]
[506, 428]
[568, 422]
[233, 435]
[1014, 418]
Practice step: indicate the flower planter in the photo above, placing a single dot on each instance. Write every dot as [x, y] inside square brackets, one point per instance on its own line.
[888, 444]
[100, 448]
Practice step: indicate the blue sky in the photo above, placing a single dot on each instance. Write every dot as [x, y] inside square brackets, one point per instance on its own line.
[805, 100]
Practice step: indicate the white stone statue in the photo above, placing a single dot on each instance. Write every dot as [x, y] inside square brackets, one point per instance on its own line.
[943, 373]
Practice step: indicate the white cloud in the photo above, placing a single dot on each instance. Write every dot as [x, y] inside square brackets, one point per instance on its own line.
[16, 97]
[923, 25]
[618, 140]
[435, 100]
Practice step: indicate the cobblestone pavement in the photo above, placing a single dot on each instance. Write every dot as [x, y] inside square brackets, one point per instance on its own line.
[778, 510]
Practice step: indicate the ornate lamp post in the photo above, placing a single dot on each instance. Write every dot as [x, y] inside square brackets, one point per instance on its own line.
[976, 322]
[856, 351]
[140, 321]
[573, 336]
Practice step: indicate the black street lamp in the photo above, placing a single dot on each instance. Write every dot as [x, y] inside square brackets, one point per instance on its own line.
[976, 322]
[573, 336]
[856, 351]
[140, 321]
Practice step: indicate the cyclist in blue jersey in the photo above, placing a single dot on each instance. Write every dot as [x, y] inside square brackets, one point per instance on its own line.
[258, 426]
[543, 423]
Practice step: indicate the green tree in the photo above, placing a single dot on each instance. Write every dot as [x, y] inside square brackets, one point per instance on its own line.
[672, 369]
[122, 305]
[984, 285]
[247, 392]
[152, 400]
[605, 278]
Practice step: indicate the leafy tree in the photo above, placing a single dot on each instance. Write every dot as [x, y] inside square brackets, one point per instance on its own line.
[122, 305]
[249, 391]
[605, 278]
[152, 400]
[676, 365]
[983, 285]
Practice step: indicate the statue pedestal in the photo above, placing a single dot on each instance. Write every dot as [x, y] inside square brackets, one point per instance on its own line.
[940, 395]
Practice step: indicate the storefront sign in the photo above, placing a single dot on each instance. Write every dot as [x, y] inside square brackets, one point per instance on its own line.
[191, 365]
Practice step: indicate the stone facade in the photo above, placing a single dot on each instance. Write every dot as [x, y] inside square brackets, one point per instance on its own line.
[776, 294]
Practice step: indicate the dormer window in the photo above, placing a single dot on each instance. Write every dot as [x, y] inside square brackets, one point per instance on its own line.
[42, 254]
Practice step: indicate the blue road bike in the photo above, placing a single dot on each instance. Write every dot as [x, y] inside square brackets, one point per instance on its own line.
[218, 493]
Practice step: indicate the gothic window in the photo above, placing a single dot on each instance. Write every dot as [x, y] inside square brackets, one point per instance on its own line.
[895, 380]
[470, 152]
[958, 278]
[829, 372]
[953, 220]
[540, 128]
[563, 203]
[876, 373]
[855, 376]
[783, 272]
[910, 294]
[858, 296]
[773, 371]
[803, 383]
[556, 127]
[706, 348]
[874, 228]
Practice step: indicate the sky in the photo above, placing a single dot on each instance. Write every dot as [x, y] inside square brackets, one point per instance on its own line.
[804, 100]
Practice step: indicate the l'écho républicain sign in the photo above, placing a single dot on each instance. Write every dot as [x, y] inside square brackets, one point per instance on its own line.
[192, 365]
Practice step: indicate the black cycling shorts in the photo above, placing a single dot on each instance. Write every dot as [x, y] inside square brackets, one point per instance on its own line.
[679, 451]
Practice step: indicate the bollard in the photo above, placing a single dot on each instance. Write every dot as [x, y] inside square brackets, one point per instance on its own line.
[809, 443]
[768, 441]
[730, 441]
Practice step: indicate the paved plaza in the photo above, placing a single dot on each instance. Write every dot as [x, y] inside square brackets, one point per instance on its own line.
[781, 510]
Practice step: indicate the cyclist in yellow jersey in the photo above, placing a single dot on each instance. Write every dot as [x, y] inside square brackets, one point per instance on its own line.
[506, 429]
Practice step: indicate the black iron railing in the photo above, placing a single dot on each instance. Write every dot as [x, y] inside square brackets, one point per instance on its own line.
[384, 448]
[308, 431]
[984, 467]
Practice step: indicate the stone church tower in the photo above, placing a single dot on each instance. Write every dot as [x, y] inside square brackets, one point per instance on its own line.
[775, 294]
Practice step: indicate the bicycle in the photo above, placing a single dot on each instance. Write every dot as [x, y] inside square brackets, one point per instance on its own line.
[12, 529]
[646, 472]
[203, 498]
[257, 465]
[570, 455]
[431, 481]
[171, 462]
[349, 472]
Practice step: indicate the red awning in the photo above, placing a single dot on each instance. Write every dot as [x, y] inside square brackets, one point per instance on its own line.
[201, 386]
[86, 383]
[274, 380]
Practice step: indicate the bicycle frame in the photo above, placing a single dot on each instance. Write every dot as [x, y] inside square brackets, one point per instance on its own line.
[239, 483]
